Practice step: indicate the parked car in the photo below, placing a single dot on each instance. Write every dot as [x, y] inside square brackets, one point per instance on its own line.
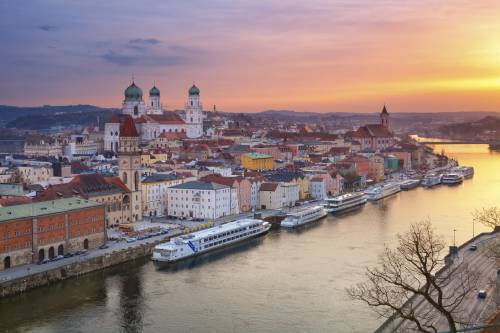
[482, 294]
[44, 261]
[103, 246]
[82, 252]
[69, 255]
[473, 247]
[131, 239]
[57, 258]
[163, 231]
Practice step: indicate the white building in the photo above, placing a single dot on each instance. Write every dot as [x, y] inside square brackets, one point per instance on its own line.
[154, 192]
[278, 195]
[199, 199]
[152, 120]
[317, 188]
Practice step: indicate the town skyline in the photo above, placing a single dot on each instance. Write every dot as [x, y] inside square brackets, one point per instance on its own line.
[330, 57]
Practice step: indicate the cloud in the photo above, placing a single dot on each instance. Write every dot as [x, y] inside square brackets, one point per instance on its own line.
[144, 41]
[47, 27]
[123, 59]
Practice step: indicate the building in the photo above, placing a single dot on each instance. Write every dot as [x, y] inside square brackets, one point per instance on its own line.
[317, 188]
[275, 195]
[36, 231]
[198, 199]
[42, 147]
[194, 114]
[154, 192]
[375, 137]
[242, 186]
[129, 165]
[152, 120]
[376, 168]
[257, 161]
[109, 191]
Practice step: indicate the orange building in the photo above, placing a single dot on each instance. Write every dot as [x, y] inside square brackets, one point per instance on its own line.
[37, 231]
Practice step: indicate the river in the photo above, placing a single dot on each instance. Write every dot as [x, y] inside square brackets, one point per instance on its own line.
[283, 282]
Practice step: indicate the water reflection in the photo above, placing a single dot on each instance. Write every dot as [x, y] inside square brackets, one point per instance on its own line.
[131, 302]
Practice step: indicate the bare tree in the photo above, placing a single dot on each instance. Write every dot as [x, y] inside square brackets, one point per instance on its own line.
[406, 285]
[16, 177]
[490, 217]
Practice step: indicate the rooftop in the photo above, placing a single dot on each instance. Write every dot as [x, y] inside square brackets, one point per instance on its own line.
[44, 208]
[258, 155]
[198, 185]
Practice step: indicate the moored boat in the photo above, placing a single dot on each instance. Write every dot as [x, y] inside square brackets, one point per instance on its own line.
[303, 216]
[452, 178]
[203, 241]
[431, 180]
[382, 191]
[345, 202]
[466, 171]
[409, 184]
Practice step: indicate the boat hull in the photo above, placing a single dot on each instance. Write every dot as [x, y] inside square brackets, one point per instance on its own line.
[163, 262]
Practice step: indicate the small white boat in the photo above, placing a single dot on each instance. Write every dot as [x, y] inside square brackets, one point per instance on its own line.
[409, 184]
[431, 180]
[209, 239]
[452, 179]
[466, 171]
[304, 216]
[345, 202]
[382, 191]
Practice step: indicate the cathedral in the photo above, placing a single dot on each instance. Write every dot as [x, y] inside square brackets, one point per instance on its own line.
[151, 120]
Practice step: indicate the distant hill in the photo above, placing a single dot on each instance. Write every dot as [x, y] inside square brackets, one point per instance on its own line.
[46, 117]
[484, 128]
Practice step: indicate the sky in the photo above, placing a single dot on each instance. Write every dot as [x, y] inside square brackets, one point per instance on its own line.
[250, 56]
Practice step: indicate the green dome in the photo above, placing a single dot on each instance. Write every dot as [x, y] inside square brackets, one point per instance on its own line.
[194, 90]
[154, 91]
[133, 92]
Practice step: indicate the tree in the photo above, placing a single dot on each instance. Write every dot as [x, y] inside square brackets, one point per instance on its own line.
[489, 217]
[407, 286]
[16, 177]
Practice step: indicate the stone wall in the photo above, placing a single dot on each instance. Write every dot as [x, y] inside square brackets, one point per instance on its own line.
[84, 266]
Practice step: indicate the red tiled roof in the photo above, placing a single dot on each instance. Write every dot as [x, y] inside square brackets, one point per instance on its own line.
[270, 187]
[127, 127]
[371, 131]
[215, 178]
[12, 201]
[165, 118]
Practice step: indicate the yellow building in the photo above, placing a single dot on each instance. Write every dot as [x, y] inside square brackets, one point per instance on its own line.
[257, 161]
[149, 158]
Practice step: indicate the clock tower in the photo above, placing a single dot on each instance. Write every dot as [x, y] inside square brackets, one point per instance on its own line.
[129, 165]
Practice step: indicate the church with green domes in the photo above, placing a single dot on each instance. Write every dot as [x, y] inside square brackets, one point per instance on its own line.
[151, 120]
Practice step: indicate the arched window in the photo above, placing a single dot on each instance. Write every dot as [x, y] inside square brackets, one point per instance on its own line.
[136, 180]
[124, 177]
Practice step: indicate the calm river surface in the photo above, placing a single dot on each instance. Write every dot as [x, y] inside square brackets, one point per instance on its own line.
[283, 282]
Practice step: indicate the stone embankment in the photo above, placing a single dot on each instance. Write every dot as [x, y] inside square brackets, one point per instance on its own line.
[74, 269]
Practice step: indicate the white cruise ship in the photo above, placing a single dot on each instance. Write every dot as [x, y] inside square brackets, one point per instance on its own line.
[304, 216]
[431, 180]
[209, 239]
[466, 171]
[381, 191]
[452, 179]
[345, 202]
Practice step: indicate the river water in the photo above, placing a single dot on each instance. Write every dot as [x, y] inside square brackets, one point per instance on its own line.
[283, 282]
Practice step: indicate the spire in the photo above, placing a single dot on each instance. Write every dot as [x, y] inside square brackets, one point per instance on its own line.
[127, 127]
[384, 110]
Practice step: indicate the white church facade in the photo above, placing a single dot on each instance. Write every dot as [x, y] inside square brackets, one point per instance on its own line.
[151, 119]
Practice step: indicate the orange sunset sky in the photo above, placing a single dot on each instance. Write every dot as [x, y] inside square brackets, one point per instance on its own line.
[249, 56]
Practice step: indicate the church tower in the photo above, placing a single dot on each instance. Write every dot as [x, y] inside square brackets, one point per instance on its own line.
[154, 101]
[194, 114]
[129, 165]
[133, 104]
[384, 118]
